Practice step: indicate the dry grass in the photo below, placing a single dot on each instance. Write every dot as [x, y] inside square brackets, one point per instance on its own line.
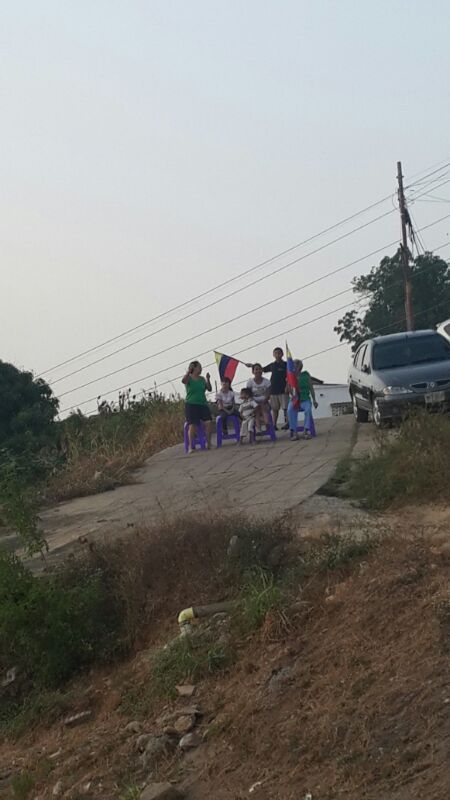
[159, 570]
[410, 468]
[102, 452]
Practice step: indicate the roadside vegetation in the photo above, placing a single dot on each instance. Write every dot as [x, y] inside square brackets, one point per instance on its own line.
[411, 466]
[45, 460]
[112, 600]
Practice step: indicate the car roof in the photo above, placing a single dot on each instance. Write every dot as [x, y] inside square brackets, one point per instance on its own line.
[395, 337]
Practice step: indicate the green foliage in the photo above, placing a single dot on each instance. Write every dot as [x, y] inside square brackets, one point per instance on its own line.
[21, 716]
[19, 502]
[52, 627]
[191, 658]
[383, 293]
[412, 467]
[260, 594]
[27, 411]
[22, 785]
[131, 792]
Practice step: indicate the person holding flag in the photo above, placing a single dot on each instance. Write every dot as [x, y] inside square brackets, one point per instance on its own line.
[301, 390]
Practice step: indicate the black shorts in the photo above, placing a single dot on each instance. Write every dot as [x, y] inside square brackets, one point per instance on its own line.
[196, 413]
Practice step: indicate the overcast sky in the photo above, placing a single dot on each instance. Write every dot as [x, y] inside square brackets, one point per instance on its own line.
[150, 150]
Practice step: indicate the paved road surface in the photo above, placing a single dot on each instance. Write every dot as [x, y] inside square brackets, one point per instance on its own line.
[262, 480]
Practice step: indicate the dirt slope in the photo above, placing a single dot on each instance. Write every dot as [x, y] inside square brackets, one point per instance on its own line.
[351, 699]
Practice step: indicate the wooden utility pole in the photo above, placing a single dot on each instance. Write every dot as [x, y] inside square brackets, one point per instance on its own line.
[405, 252]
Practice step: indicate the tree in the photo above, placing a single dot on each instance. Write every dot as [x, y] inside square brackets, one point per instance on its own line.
[27, 411]
[382, 304]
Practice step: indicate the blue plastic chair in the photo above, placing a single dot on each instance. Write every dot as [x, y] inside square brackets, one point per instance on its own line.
[199, 439]
[270, 431]
[219, 429]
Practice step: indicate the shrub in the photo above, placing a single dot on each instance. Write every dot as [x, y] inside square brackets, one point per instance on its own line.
[51, 627]
[409, 468]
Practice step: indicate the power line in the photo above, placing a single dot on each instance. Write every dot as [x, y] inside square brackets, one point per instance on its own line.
[228, 321]
[225, 297]
[224, 283]
[256, 344]
[204, 308]
[346, 344]
[233, 319]
[219, 285]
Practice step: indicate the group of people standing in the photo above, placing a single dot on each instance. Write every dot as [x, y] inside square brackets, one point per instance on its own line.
[256, 400]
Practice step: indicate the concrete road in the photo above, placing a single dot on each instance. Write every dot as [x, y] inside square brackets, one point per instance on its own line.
[262, 480]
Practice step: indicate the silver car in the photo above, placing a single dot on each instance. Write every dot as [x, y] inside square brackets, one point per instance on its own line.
[392, 374]
[444, 329]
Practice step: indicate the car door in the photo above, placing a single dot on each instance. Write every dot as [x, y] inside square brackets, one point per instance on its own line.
[356, 380]
[366, 377]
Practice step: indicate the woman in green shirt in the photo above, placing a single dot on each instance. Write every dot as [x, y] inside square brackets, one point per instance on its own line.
[196, 405]
[301, 401]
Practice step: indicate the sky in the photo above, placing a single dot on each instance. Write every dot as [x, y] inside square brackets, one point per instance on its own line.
[153, 150]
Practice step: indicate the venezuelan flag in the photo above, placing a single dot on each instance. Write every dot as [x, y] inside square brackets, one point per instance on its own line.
[291, 376]
[226, 365]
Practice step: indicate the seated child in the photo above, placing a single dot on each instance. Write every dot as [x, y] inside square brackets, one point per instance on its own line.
[226, 403]
[247, 410]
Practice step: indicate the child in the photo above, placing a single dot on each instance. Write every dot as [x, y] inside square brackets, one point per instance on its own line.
[196, 405]
[226, 403]
[247, 410]
[260, 388]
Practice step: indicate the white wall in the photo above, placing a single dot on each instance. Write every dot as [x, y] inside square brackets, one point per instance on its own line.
[327, 394]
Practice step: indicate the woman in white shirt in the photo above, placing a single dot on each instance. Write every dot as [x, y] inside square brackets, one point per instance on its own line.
[260, 387]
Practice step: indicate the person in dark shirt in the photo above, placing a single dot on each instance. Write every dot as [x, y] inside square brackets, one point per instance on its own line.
[278, 397]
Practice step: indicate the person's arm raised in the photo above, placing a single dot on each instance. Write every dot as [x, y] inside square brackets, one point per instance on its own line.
[208, 382]
[186, 378]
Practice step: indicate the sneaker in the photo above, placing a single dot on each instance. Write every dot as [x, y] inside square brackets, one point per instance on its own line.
[285, 427]
[307, 435]
[294, 436]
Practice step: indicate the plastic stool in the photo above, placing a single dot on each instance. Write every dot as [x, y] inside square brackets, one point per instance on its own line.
[199, 438]
[301, 428]
[219, 429]
[269, 432]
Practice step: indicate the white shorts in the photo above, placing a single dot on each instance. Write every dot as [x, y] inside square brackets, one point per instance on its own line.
[279, 402]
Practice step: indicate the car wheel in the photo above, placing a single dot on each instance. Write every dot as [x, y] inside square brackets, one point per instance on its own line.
[376, 414]
[361, 415]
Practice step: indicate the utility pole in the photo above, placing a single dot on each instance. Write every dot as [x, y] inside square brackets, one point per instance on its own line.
[405, 251]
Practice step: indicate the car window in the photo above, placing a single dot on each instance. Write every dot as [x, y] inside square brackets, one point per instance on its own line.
[409, 351]
[366, 357]
[359, 356]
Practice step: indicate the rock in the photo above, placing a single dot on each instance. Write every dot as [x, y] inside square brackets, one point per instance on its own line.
[133, 727]
[234, 547]
[185, 690]
[275, 556]
[57, 789]
[280, 678]
[161, 791]
[142, 741]
[77, 719]
[9, 677]
[184, 724]
[189, 741]
[157, 748]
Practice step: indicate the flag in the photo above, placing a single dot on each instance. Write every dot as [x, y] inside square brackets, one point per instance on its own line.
[291, 377]
[226, 365]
